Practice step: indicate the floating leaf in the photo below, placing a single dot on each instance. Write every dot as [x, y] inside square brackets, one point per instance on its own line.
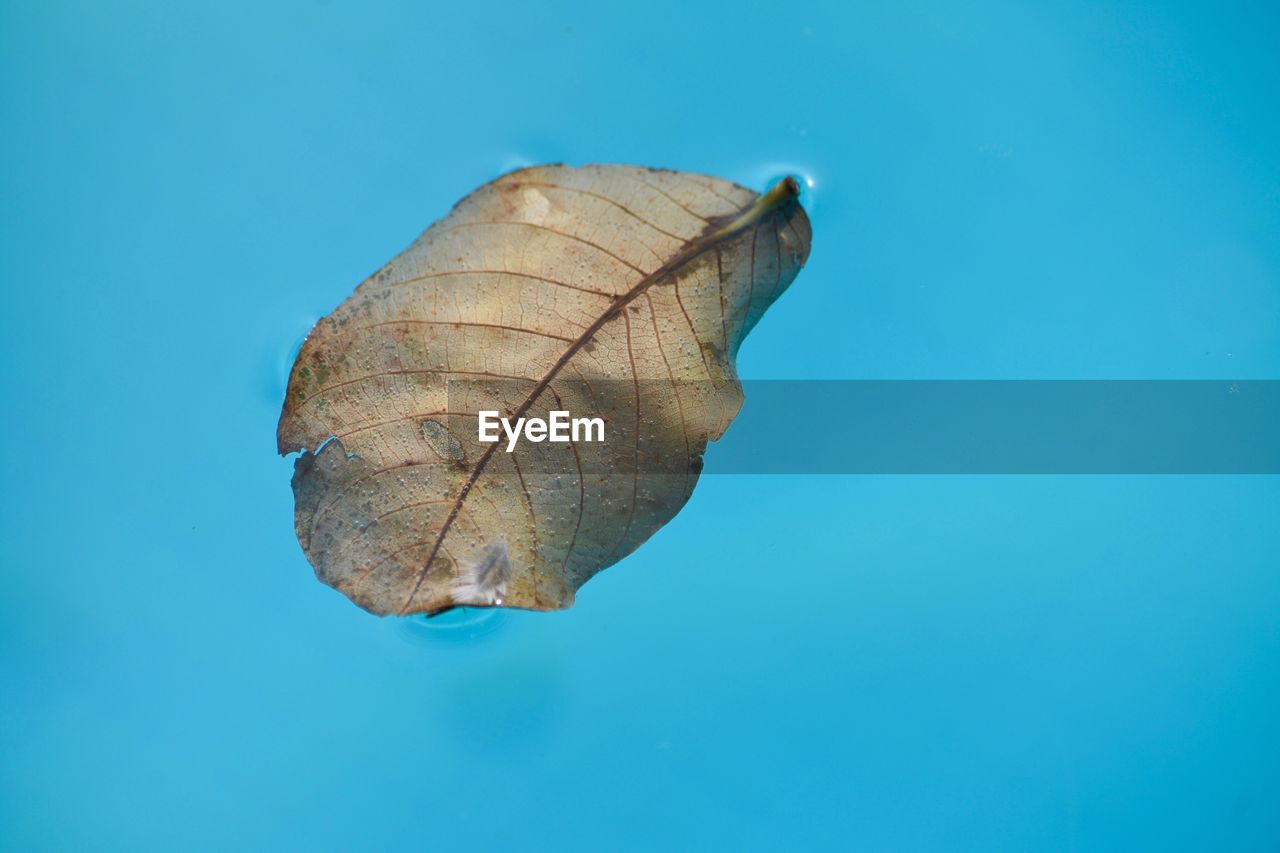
[617, 291]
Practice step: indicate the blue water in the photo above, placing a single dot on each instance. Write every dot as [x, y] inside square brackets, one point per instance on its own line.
[1001, 190]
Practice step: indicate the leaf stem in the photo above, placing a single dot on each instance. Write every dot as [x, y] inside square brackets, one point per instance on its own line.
[783, 192]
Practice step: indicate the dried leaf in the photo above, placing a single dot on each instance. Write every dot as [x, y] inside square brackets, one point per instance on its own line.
[614, 290]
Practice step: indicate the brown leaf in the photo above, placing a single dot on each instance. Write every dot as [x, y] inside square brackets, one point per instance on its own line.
[604, 290]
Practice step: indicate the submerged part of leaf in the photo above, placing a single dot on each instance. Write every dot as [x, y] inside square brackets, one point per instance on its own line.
[534, 287]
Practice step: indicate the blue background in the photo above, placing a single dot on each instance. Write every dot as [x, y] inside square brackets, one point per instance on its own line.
[1001, 190]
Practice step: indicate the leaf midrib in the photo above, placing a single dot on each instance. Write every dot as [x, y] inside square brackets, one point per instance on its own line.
[711, 237]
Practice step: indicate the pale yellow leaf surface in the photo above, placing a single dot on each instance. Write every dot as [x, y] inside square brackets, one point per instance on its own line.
[604, 290]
